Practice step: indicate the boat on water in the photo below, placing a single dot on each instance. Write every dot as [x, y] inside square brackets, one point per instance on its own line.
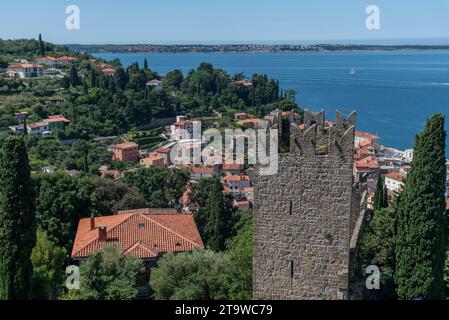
[353, 72]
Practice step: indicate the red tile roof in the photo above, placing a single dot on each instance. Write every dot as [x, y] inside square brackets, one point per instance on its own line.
[163, 150]
[232, 166]
[395, 176]
[64, 58]
[367, 163]
[56, 118]
[203, 170]
[140, 233]
[235, 178]
[24, 65]
[125, 146]
[366, 135]
[246, 121]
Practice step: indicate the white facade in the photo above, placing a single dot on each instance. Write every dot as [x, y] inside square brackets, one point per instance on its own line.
[25, 70]
[408, 155]
[155, 84]
[393, 185]
[38, 128]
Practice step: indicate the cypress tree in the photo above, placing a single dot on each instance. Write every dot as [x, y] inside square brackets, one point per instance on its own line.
[379, 195]
[74, 79]
[215, 225]
[145, 64]
[420, 241]
[385, 203]
[41, 46]
[93, 78]
[17, 221]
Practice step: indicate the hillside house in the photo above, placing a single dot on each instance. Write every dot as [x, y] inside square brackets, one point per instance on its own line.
[125, 152]
[25, 70]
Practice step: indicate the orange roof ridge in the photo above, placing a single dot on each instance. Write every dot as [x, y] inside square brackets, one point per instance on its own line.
[170, 230]
[137, 245]
[107, 231]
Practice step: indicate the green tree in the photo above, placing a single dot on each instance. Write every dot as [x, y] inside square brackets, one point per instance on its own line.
[379, 196]
[111, 196]
[161, 187]
[120, 79]
[48, 267]
[108, 275]
[62, 200]
[189, 276]
[377, 248]
[385, 202]
[41, 46]
[174, 79]
[145, 64]
[421, 242]
[207, 275]
[213, 219]
[74, 79]
[17, 221]
[238, 275]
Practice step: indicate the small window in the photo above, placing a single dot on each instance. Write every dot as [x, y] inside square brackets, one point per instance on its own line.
[290, 208]
[291, 269]
[141, 226]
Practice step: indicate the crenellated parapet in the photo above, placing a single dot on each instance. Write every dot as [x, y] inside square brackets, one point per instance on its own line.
[317, 139]
[311, 118]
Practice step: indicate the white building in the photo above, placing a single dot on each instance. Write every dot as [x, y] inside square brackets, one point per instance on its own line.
[394, 181]
[38, 128]
[202, 172]
[363, 136]
[155, 84]
[25, 70]
[408, 155]
[237, 184]
[185, 130]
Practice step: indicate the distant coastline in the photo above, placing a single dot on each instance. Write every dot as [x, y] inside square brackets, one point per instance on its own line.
[240, 48]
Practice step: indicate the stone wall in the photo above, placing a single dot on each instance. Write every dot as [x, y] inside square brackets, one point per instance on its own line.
[303, 215]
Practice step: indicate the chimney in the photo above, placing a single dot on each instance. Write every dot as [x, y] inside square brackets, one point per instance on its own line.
[102, 237]
[92, 222]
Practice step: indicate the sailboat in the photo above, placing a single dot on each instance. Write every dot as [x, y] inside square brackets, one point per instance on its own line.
[353, 72]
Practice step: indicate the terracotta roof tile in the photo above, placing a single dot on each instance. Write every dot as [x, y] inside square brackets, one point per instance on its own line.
[139, 233]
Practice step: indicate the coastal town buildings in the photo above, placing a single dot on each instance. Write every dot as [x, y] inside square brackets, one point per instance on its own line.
[153, 161]
[45, 127]
[202, 172]
[25, 70]
[183, 129]
[363, 136]
[125, 152]
[236, 184]
[56, 61]
[394, 181]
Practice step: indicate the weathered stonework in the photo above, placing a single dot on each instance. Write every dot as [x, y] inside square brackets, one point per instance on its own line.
[305, 214]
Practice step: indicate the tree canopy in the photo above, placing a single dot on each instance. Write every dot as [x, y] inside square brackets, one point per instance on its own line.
[420, 244]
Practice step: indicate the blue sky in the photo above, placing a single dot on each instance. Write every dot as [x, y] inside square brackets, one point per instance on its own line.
[230, 21]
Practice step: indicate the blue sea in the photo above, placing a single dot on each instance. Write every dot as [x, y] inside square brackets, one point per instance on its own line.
[394, 92]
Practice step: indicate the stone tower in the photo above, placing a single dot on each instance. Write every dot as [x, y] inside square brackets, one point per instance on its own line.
[305, 214]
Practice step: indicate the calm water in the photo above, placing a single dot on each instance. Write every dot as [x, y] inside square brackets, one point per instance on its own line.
[393, 92]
